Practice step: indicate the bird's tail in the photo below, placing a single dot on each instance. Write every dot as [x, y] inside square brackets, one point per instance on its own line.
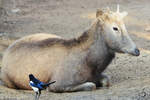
[49, 83]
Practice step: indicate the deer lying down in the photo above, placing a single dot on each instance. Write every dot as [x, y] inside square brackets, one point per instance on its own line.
[76, 64]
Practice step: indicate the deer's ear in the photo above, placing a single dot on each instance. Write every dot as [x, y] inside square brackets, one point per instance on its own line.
[99, 13]
[123, 14]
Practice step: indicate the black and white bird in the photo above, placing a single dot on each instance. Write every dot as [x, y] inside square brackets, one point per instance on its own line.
[37, 85]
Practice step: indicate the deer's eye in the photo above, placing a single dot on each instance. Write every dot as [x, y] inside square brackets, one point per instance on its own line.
[115, 28]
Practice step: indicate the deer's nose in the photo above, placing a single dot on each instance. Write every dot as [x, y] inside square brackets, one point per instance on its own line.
[136, 52]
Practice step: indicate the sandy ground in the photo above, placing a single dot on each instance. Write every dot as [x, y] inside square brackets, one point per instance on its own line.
[130, 76]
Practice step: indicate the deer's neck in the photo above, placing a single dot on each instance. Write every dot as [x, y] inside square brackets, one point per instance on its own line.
[99, 55]
[87, 39]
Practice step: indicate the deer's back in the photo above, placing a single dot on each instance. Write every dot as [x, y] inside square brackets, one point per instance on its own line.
[26, 56]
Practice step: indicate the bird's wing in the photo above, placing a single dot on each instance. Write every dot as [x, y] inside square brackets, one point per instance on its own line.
[39, 86]
[32, 84]
[36, 81]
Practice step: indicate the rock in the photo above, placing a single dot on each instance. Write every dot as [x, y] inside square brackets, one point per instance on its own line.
[17, 10]
[147, 29]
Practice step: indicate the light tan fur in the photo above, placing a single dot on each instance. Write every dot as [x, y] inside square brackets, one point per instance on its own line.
[75, 64]
[33, 58]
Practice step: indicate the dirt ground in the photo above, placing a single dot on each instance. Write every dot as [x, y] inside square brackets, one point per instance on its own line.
[130, 76]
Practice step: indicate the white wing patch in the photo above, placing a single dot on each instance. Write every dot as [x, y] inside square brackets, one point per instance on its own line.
[34, 88]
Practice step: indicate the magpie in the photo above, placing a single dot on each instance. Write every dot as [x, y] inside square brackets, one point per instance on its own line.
[37, 85]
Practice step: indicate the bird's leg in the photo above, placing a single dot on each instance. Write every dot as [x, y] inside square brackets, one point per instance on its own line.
[39, 93]
[36, 96]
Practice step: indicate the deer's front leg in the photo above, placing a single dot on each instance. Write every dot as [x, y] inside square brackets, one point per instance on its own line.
[88, 86]
[103, 81]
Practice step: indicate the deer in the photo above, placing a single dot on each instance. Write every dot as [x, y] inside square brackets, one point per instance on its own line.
[76, 64]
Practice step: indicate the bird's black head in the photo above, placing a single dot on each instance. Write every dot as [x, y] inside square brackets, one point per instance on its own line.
[31, 77]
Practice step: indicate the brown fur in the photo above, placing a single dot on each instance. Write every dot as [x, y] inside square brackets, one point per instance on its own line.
[67, 43]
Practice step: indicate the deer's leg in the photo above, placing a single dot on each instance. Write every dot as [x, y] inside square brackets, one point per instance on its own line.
[103, 81]
[7, 82]
[88, 86]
